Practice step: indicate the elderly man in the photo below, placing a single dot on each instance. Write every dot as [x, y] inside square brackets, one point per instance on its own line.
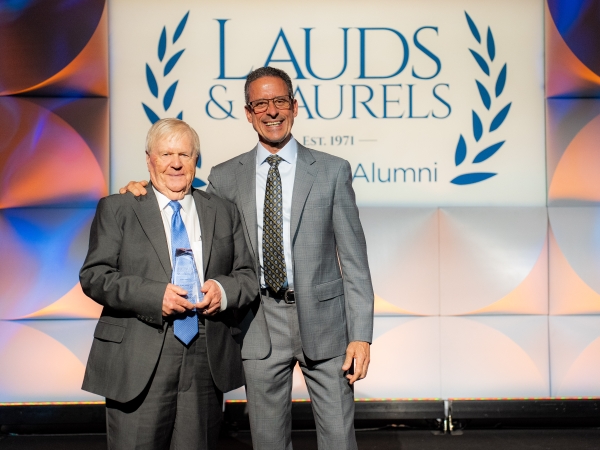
[316, 305]
[162, 356]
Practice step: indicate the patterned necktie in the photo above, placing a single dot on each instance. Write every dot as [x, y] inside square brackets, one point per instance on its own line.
[185, 326]
[273, 257]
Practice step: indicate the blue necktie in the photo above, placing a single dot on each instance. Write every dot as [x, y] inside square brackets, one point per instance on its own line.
[185, 326]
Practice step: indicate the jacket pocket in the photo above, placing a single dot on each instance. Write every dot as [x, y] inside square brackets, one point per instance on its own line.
[109, 332]
[318, 200]
[329, 290]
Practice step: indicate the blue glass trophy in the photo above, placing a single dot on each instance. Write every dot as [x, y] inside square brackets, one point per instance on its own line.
[185, 275]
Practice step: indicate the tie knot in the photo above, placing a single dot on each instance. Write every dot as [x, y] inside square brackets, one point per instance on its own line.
[274, 160]
[175, 205]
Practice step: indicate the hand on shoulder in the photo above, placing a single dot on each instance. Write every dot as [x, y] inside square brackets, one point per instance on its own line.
[137, 188]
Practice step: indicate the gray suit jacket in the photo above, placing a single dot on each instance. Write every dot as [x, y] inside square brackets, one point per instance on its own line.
[127, 270]
[327, 240]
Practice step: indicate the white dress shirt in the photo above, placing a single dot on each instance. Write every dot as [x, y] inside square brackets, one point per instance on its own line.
[287, 171]
[189, 215]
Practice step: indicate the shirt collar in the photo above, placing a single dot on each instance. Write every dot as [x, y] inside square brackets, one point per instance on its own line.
[163, 200]
[288, 153]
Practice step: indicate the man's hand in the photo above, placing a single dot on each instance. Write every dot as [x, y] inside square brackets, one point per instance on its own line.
[173, 301]
[212, 298]
[137, 188]
[361, 352]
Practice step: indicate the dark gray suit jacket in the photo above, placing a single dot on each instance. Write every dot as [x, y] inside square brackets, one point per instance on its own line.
[327, 240]
[127, 270]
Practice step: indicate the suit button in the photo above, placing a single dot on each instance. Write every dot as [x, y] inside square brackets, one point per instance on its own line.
[160, 331]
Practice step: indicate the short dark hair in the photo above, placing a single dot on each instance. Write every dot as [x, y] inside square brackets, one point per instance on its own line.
[268, 71]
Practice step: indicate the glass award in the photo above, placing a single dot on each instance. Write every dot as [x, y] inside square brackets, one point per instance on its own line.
[185, 274]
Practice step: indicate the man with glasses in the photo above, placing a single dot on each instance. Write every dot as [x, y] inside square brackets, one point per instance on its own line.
[316, 305]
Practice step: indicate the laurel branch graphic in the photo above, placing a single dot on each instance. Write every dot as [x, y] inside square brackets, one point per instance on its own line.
[486, 66]
[167, 66]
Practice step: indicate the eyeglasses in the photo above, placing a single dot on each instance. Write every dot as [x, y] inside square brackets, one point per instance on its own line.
[262, 104]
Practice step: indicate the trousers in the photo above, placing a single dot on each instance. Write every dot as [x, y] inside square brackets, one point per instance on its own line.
[269, 388]
[180, 408]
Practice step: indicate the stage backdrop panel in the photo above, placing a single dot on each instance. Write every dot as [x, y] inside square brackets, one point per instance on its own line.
[54, 166]
[572, 42]
[408, 355]
[403, 252]
[575, 356]
[493, 261]
[497, 357]
[437, 104]
[41, 253]
[54, 151]
[427, 99]
[574, 260]
[54, 49]
[47, 360]
[573, 133]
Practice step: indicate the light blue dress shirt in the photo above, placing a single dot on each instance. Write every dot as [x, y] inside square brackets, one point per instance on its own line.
[287, 171]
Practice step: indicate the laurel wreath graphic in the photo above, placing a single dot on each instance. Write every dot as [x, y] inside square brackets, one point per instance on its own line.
[486, 66]
[167, 67]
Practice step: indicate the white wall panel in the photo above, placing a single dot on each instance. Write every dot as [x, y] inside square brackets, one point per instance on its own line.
[493, 261]
[575, 356]
[500, 356]
[44, 360]
[405, 359]
[575, 260]
[403, 248]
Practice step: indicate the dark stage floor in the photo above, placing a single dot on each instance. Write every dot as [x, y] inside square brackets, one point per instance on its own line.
[387, 439]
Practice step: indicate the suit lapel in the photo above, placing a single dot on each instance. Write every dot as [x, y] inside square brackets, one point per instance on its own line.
[206, 213]
[306, 171]
[148, 213]
[246, 185]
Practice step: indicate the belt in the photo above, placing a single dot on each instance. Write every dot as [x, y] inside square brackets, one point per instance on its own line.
[287, 295]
